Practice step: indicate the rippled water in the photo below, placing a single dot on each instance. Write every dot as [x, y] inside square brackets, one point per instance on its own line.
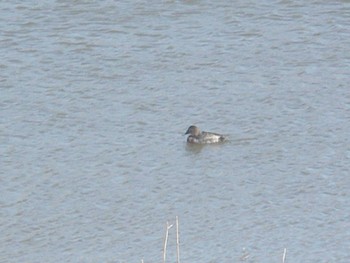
[96, 96]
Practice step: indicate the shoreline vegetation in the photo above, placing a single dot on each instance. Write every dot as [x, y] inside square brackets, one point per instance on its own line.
[169, 226]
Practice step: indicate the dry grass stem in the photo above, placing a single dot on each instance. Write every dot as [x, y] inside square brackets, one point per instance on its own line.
[244, 257]
[177, 240]
[166, 240]
[284, 255]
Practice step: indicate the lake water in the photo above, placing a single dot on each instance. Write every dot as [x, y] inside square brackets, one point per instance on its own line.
[95, 99]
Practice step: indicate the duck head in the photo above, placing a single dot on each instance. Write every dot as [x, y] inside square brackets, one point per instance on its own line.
[193, 130]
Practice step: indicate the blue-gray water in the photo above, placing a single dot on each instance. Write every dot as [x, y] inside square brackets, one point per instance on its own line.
[95, 98]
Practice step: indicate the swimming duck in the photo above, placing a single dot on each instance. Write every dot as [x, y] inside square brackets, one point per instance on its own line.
[196, 136]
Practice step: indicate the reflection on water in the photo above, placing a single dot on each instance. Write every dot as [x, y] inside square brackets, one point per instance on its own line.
[195, 148]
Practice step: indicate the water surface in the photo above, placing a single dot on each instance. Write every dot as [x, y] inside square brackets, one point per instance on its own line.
[96, 96]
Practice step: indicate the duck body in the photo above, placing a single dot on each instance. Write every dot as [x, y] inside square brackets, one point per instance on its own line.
[198, 137]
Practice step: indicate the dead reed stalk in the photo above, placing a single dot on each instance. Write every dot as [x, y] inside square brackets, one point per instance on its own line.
[177, 240]
[166, 240]
[284, 255]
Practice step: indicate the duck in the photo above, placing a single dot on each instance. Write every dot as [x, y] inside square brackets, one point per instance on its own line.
[197, 136]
